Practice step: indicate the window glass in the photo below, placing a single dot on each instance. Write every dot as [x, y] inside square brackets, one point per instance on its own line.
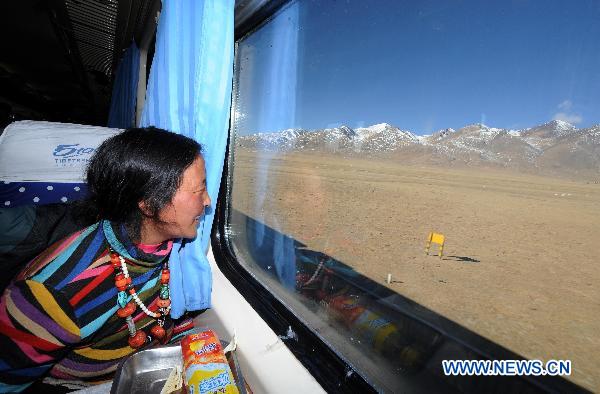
[361, 128]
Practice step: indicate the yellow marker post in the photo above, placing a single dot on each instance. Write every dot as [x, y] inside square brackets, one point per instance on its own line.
[435, 238]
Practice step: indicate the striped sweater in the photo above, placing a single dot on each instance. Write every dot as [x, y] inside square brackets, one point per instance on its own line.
[58, 316]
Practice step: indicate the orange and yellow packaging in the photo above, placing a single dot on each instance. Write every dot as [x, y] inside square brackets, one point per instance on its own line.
[205, 367]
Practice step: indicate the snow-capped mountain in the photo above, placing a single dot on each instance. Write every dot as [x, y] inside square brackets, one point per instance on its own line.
[553, 129]
[377, 138]
[556, 146]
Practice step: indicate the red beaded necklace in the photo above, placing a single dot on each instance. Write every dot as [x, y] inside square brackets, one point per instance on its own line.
[137, 338]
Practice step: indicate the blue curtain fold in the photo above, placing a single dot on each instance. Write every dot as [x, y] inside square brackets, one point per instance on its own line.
[124, 94]
[189, 92]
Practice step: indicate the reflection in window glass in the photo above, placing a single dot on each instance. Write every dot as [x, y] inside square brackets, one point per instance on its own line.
[360, 127]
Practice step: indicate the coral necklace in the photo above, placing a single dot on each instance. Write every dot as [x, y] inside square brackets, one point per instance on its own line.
[137, 338]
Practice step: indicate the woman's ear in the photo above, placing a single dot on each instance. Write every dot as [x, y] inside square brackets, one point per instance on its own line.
[144, 208]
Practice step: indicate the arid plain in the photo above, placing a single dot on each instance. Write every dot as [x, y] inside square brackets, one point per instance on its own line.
[521, 260]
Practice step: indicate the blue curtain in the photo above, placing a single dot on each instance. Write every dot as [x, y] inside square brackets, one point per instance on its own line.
[124, 94]
[189, 92]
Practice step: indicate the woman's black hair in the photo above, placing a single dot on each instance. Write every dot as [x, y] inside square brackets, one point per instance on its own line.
[139, 164]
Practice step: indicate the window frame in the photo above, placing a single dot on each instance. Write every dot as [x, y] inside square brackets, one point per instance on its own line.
[331, 371]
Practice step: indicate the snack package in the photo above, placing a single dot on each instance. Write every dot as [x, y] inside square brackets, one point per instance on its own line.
[205, 368]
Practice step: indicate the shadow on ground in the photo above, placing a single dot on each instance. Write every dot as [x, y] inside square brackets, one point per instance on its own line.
[462, 259]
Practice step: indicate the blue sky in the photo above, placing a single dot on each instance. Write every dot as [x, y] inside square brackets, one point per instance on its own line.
[422, 65]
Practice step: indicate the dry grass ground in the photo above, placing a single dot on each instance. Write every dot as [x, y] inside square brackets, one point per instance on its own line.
[522, 255]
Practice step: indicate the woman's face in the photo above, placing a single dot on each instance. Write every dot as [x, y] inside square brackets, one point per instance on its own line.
[180, 218]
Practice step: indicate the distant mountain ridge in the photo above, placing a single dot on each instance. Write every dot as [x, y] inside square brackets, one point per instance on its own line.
[553, 147]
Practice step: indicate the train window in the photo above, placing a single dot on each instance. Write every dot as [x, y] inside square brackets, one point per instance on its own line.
[364, 132]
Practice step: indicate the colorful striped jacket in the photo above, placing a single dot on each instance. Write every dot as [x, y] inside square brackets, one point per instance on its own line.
[58, 316]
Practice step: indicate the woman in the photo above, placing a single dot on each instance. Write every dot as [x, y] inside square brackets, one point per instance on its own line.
[96, 296]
